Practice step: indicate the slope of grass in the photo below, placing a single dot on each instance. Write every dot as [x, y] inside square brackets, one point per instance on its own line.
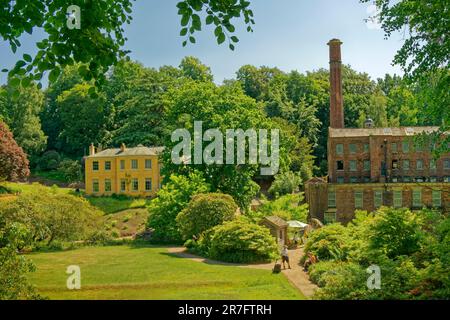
[17, 187]
[111, 205]
[126, 223]
[126, 272]
[53, 175]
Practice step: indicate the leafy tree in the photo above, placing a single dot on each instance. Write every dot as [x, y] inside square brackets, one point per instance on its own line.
[191, 67]
[71, 170]
[84, 119]
[99, 41]
[20, 111]
[285, 183]
[424, 55]
[51, 114]
[136, 94]
[287, 207]
[376, 110]
[426, 47]
[255, 81]
[406, 238]
[204, 211]
[172, 198]
[14, 161]
[218, 13]
[49, 161]
[14, 267]
[50, 215]
[222, 108]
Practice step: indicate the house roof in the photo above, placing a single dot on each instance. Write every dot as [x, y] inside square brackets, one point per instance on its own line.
[136, 151]
[366, 132]
[277, 221]
[316, 180]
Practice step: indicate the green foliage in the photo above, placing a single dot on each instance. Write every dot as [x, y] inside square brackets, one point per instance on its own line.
[287, 207]
[71, 170]
[329, 243]
[242, 241]
[136, 92]
[20, 110]
[222, 108]
[84, 119]
[424, 55]
[217, 13]
[14, 267]
[172, 198]
[51, 215]
[51, 113]
[191, 67]
[411, 249]
[204, 211]
[116, 203]
[49, 160]
[285, 183]
[97, 44]
[395, 232]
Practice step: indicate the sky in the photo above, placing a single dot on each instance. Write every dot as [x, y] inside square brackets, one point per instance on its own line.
[288, 34]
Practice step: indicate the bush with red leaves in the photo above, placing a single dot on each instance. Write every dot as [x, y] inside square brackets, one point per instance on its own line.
[13, 161]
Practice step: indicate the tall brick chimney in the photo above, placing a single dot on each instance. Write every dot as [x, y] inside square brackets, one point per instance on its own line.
[336, 99]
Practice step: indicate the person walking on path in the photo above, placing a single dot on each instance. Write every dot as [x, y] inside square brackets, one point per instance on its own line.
[285, 257]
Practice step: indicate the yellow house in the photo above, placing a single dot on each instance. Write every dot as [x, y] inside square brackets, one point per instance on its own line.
[129, 171]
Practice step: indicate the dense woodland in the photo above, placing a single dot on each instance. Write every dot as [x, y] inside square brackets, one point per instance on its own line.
[138, 105]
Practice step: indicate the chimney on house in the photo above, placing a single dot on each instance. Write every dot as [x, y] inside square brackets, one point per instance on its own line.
[122, 147]
[91, 149]
[336, 99]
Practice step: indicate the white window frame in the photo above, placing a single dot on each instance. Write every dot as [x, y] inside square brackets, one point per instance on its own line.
[378, 198]
[397, 200]
[359, 203]
[436, 198]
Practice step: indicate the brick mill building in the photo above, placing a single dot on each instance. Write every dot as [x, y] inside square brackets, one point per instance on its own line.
[372, 167]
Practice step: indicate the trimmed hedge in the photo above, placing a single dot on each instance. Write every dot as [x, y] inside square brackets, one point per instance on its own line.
[241, 241]
[204, 211]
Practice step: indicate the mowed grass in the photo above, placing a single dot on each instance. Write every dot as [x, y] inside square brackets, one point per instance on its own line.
[112, 205]
[106, 204]
[127, 272]
[18, 187]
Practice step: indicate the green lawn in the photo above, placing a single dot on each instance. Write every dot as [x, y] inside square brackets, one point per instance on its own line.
[111, 205]
[126, 272]
[50, 175]
[28, 187]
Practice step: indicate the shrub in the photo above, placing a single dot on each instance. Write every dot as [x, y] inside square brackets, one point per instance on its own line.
[410, 248]
[340, 280]
[14, 267]
[285, 183]
[242, 241]
[49, 161]
[71, 170]
[287, 207]
[13, 160]
[331, 242]
[405, 240]
[172, 198]
[204, 211]
[100, 237]
[50, 215]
